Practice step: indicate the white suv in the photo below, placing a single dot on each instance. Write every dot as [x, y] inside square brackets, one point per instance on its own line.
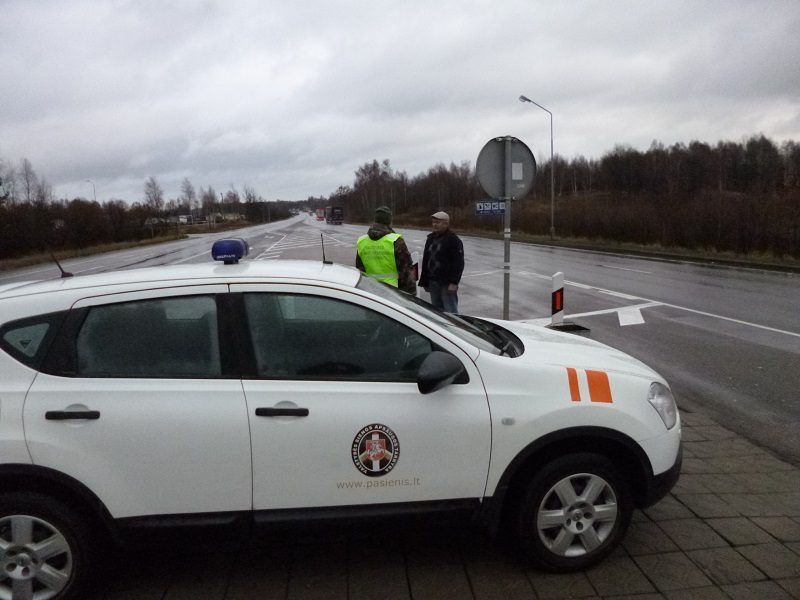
[261, 392]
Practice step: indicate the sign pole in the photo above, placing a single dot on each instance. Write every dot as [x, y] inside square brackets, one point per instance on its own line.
[505, 169]
[507, 230]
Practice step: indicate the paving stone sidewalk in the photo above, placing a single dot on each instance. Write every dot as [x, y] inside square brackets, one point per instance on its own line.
[730, 529]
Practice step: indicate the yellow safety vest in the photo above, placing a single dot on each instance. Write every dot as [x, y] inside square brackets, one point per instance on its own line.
[378, 257]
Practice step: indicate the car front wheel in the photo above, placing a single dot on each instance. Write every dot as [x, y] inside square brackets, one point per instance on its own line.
[44, 549]
[574, 512]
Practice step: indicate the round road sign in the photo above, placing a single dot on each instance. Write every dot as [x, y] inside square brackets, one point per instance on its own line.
[494, 168]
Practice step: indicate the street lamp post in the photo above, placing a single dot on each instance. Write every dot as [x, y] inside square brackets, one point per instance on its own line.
[94, 190]
[552, 169]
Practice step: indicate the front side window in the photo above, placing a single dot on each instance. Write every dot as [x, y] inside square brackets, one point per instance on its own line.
[453, 323]
[297, 336]
[163, 338]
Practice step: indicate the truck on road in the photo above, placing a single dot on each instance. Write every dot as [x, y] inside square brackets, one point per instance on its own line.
[334, 215]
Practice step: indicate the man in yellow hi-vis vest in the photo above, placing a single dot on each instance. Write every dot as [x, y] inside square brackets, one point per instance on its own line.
[383, 254]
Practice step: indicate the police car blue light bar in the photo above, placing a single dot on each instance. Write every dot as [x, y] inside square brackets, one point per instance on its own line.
[229, 250]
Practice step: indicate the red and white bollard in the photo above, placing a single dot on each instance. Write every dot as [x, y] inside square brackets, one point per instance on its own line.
[557, 310]
[557, 300]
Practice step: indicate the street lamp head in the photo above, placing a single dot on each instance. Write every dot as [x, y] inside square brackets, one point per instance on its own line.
[94, 189]
[552, 170]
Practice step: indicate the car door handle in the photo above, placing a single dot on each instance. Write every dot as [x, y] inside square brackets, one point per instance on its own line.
[281, 412]
[65, 415]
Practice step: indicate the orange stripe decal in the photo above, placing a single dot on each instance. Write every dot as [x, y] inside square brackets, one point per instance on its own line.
[599, 388]
[574, 391]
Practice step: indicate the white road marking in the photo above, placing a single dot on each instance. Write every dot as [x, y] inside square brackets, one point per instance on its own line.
[698, 312]
[618, 295]
[297, 244]
[607, 311]
[739, 321]
[625, 269]
[276, 243]
[480, 274]
[183, 260]
[630, 316]
[627, 315]
[582, 286]
[650, 303]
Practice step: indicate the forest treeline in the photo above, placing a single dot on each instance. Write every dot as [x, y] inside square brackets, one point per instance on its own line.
[742, 198]
[734, 197]
[33, 221]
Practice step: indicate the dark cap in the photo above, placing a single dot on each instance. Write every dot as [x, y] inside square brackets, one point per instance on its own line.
[383, 215]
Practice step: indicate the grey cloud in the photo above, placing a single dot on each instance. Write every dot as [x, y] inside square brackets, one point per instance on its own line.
[291, 98]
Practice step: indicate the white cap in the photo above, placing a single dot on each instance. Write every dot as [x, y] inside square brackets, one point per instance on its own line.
[441, 215]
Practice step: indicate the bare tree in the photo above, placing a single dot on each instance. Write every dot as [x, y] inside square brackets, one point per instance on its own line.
[43, 194]
[8, 180]
[232, 196]
[28, 180]
[208, 198]
[791, 154]
[188, 195]
[153, 194]
[250, 194]
[231, 201]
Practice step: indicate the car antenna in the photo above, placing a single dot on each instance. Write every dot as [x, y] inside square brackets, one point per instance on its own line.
[322, 241]
[64, 273]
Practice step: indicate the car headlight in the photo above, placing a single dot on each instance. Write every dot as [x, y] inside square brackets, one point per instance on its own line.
[662, 400]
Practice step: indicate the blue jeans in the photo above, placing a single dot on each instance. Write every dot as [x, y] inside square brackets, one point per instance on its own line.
[441, 298]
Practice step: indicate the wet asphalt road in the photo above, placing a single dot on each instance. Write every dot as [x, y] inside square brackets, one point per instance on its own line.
[727, 339]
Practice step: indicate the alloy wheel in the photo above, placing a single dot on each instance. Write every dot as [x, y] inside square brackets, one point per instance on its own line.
[35, 559]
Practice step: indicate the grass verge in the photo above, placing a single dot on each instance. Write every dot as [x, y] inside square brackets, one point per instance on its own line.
[45, 257]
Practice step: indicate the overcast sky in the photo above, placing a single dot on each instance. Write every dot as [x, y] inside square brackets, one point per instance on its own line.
[290, 98]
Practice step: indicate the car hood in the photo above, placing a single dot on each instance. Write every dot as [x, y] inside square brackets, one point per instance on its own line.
[556, 348]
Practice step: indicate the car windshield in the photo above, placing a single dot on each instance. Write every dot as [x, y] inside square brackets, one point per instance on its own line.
[453, 323]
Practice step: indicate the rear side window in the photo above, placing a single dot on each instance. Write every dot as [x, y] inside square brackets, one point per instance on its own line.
[160, 338]
[27, 339]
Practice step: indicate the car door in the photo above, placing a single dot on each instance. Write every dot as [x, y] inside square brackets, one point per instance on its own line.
[136, 406]
[336, 415]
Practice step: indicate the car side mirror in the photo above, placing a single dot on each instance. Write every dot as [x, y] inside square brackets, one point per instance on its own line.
[438, 370]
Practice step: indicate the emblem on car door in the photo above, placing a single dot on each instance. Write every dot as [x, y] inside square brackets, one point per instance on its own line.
[375, 450]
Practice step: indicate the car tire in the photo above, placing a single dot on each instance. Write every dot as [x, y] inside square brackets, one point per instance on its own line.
[573, 512]
[46, 551]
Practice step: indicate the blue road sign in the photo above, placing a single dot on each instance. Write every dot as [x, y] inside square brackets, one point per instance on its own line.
[490, 207]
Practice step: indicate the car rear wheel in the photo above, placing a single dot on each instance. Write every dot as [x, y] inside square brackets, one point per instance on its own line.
[574, 512]
[44, 549]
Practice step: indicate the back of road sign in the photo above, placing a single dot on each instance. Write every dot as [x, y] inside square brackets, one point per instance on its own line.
[493, 168]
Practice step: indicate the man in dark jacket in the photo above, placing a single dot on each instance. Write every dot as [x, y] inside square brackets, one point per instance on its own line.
[382, 253]
[442, 264]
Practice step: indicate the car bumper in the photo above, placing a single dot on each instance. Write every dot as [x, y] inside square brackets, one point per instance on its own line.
[660, 485]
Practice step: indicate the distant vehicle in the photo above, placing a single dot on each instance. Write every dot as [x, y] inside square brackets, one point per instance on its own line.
[334, 215]
[320, 214]
[284, 391]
